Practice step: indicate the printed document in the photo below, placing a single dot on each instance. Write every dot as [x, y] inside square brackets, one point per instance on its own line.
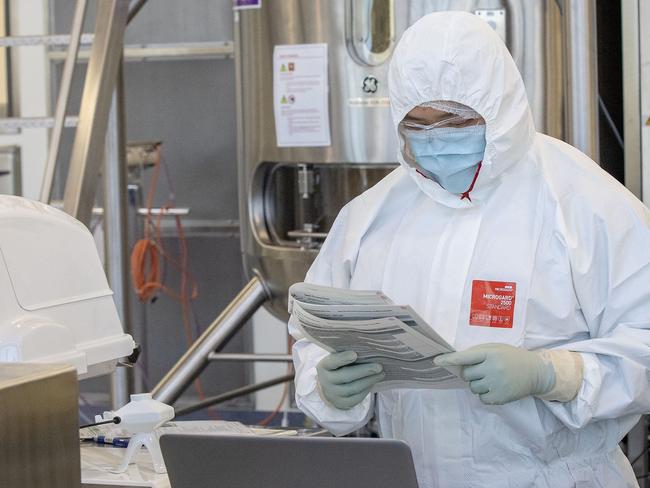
[370, 324]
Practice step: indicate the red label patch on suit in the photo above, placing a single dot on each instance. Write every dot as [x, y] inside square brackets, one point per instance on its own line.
[493, 304]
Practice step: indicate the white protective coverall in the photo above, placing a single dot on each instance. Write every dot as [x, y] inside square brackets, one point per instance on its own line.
[542, 215]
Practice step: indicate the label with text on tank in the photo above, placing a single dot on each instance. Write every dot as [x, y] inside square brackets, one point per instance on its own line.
[369, 102]
[493, 304]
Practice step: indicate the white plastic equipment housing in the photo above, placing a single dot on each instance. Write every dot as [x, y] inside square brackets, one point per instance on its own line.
[140, 417]
[55, 302]
[142, 414]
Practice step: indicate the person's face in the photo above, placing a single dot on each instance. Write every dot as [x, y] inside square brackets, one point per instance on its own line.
[429, 116]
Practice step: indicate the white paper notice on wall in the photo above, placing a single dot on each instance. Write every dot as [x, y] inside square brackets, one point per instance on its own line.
[300, 91]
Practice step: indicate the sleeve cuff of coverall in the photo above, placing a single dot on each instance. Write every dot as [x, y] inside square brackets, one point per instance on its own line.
[337, 421]
[569, 373]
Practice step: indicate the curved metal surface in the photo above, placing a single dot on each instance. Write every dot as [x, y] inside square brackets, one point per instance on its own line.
[516, 42]
[370, 30]
[582, 76]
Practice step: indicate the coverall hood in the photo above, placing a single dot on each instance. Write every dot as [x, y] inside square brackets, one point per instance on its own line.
[456, 56]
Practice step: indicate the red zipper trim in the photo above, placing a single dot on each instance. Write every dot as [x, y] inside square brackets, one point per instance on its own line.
[471, 187]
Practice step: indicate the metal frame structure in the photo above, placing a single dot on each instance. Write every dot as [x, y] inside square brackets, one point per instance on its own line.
[62, 101]
[49, 40]
[245, 390]
[163, 52]
[14, 124]
[88, 147]
[115, 227]
[215, 337]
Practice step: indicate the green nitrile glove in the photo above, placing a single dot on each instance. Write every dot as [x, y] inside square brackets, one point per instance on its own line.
[344, 384]
[500, 373]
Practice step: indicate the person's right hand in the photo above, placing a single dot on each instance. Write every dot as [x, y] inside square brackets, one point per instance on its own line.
[344, 384]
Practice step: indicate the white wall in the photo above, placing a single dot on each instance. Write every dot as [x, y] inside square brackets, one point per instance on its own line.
[269, 336]
[30, 87]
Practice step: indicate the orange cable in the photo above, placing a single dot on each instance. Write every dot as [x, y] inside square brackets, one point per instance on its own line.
[146, 264]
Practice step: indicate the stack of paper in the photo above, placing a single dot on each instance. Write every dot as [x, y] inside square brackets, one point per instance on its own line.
[370, 324]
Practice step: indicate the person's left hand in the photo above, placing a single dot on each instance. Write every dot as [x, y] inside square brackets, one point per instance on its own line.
[500, 373]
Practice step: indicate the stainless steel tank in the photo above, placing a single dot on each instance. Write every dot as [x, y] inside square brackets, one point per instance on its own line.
[290, 196]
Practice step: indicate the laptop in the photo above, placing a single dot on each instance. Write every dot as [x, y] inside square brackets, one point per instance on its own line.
[247, 461]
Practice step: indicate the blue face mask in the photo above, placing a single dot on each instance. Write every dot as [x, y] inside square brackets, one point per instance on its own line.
[448, 155]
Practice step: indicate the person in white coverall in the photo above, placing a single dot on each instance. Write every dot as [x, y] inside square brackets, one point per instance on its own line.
[521, 252]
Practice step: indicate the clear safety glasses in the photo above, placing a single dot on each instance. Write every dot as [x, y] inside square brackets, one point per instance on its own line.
[441, 114]
[452, 121]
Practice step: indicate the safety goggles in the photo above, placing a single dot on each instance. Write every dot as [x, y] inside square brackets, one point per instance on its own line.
[450, 120]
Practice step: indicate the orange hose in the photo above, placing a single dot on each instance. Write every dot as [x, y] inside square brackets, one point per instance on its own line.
[147, 256]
